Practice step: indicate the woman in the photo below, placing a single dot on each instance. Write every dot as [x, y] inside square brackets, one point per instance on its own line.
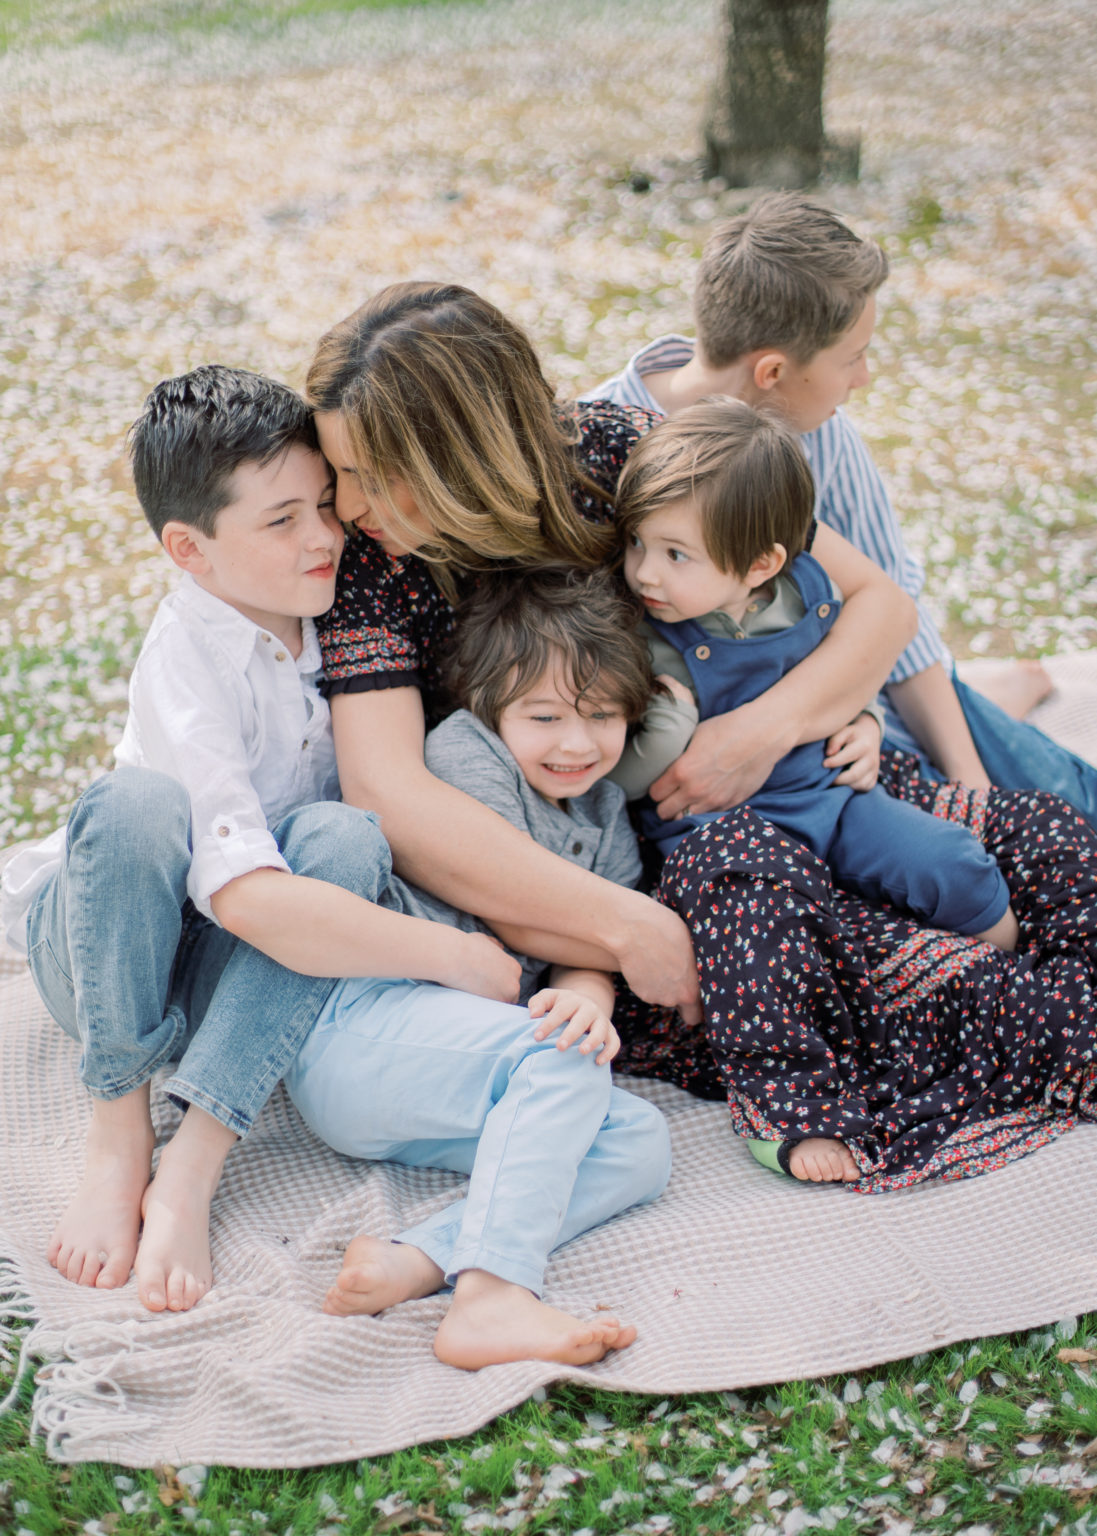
[452, 461]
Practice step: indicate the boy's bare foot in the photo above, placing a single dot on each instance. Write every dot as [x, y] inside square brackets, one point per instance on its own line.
[822, 1161]
[491, 1321]
[95, 1241]
[377, 1274]
[173, 1257]
[1015, 685]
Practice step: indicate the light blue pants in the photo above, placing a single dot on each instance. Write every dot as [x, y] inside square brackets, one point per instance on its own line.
[413, 1073]
[128, 968]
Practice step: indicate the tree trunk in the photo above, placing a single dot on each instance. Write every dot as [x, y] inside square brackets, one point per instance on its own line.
[765, 123]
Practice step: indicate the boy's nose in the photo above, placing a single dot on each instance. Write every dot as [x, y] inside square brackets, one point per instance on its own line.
[576, 737]
[643, 571]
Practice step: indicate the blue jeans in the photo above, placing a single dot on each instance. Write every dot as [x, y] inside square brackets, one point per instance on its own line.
[131, 970]
[1018, 756]
[1015, 754]
[408, 1072]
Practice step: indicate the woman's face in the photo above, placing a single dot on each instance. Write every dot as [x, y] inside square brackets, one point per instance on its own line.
[362, 501]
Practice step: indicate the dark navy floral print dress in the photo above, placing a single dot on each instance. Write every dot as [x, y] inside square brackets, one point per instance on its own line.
[927, 1053]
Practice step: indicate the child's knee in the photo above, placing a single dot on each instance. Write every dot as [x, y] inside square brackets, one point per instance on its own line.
[133, 811]
[339, 843]
[648, 1150]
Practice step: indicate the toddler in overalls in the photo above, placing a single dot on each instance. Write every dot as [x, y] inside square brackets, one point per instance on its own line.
[715, 508]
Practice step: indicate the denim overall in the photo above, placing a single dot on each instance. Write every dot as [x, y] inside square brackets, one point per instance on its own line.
[881, 848]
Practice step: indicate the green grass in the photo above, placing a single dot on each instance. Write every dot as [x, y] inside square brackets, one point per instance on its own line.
[32, 24]
[998, 1434]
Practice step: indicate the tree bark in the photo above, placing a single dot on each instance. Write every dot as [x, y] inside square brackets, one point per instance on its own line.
[765, 122]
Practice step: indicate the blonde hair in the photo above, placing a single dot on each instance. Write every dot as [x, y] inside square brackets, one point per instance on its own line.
[744, 470]
[787, 274]
[439, 389]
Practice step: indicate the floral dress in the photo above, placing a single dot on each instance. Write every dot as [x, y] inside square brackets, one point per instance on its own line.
[925, 1052]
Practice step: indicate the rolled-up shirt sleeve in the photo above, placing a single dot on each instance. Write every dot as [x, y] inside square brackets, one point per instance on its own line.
[853, 500]
[198, 724]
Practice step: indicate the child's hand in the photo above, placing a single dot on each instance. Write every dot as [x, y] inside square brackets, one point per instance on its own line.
[484, 967]
[856, 750]
[676, 689]
[556, 1006]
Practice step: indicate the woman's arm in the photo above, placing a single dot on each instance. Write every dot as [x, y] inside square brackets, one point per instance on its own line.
[451, 845]
[732, 755]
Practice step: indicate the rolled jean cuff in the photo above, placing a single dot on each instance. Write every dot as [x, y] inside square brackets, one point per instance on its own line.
[112, 1085]
[184, 1095]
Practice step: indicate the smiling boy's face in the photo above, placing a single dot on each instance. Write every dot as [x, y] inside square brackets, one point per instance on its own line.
[277, 546]
[562, 745]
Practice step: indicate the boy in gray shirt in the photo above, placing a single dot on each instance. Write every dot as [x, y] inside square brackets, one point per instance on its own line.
[551, 674]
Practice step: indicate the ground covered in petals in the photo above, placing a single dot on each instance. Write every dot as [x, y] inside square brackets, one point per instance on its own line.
[175, 190]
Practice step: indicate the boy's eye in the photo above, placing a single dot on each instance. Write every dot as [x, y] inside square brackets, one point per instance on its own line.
[676, 555]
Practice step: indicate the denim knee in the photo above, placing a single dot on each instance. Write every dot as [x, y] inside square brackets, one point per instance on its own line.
[135, 809]
[338, 843]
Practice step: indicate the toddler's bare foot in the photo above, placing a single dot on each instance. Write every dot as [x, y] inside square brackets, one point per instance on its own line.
[95, 1241]
[173, 1257]
[1014, 685]
[823, 1161]
[377, 1274]
[492, 1321]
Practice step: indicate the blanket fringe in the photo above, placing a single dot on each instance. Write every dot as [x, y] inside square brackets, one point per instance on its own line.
[15, 1308]
[70, 1389]
[77, 1394]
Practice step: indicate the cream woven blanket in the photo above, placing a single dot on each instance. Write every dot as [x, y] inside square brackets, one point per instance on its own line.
[734, 1277]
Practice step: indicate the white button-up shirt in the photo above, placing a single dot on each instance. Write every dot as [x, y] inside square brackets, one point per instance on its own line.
[221, 706]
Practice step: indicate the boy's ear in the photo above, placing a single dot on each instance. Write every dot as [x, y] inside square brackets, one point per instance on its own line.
[767, 566]
[768, 369]
[185, 546]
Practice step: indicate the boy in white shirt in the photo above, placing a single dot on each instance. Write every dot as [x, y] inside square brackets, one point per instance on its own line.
[198, 913]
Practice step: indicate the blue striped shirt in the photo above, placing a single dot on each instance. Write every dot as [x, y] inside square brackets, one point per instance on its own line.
[850, 497]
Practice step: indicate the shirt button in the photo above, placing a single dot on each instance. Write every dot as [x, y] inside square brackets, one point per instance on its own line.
[702, 653]
[824, 609]
[279, 655]
[265, 639]
[576, 849]
[222, 831]
[305, 745]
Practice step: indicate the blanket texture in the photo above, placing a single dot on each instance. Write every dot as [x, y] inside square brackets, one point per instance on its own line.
[735, 1277]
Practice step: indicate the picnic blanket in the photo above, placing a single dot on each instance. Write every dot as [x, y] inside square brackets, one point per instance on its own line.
[735, 1277]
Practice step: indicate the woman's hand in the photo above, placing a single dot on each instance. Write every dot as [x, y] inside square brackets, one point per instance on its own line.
[856, 750]
[580, 1017]
[729, 757]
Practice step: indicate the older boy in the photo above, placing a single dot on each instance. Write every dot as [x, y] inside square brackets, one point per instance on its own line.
[785, 310]
[200, 912]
